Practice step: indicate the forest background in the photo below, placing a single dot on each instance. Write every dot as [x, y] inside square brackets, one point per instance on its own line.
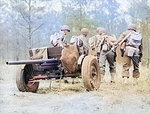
[27, 24]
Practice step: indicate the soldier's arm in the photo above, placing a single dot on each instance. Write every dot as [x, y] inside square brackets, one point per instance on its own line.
[119, 39]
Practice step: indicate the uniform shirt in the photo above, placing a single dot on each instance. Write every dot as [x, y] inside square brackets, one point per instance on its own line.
[124, 34]
[82, 42]
[60, 39]
[93, 40]
[61, 36]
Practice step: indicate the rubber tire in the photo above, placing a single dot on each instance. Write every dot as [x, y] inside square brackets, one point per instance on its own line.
[23, 85]
[90, 65]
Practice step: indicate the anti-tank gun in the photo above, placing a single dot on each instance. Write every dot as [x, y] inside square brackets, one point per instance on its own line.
[55, 62]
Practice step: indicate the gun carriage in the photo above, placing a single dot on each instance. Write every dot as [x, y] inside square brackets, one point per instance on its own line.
[59, 63]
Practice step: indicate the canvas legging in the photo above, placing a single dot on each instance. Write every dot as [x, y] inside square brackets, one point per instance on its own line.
[127, 65]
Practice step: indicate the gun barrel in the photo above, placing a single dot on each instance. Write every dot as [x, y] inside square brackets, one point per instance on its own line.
[33, 61]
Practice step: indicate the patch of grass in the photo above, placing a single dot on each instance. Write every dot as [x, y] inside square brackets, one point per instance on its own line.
[74, 87]
[57, 87]
[43, 90]
[143, 85]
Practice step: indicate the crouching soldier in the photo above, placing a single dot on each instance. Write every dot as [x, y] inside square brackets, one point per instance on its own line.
[105, 43]
[131, 49]
[58, 39]
[81, 41]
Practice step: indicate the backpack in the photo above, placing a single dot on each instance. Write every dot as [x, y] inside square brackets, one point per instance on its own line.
[74, 39]
[53, 38]
[77, 40]
[134, 40]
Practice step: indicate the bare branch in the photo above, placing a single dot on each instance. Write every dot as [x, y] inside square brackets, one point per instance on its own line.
[24, 17]
[23, 36]
[36, 29]
[22, 24]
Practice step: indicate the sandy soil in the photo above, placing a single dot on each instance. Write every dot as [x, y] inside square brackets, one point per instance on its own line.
[118, 98]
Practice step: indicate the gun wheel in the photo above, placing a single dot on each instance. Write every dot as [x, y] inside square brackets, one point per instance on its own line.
[91, 73]
[22, 81]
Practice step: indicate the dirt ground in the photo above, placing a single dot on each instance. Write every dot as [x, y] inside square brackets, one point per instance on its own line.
[118, 98]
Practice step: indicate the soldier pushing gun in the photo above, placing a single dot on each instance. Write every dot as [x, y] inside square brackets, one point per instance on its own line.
[101, 45]
[131, 49]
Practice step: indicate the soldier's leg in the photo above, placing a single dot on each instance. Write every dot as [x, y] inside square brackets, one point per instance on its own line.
[126, 66]
[102, 64]
[112, 66]
[135, 60]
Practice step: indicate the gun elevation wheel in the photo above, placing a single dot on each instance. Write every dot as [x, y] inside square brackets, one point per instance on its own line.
[91, 73]
[22, 81]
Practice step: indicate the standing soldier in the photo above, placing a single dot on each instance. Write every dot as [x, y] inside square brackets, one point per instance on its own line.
[94, 50]
[131, 49]
[106, 43]
[100, 44]
[58, 39]
[81, 41]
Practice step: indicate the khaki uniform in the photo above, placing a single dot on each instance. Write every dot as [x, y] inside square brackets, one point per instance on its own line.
[61, 39]
[95, 45]
[106, 45]
[82, 42]
[99, 46]
[127, 59]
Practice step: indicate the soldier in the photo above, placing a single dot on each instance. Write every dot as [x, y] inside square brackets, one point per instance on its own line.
[82, 41]
[105, 43]
[93, 44]
[58, 39]
[131, 51]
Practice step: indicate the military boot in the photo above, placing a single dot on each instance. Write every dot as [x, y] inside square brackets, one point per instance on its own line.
[136, 73]
[125, 73]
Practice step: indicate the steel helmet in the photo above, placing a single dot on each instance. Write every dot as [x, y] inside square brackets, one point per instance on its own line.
[65, 27]
[98, 29]
[132, 27]
[84, 31]
[102, 30]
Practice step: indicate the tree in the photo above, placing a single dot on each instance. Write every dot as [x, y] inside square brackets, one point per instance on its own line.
[28, 18]
[79, 18]
[26, 24]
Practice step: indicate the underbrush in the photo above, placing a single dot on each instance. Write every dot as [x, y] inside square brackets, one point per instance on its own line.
[144, 81]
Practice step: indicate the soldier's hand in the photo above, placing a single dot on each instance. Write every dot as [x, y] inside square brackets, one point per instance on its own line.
[115, 43]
